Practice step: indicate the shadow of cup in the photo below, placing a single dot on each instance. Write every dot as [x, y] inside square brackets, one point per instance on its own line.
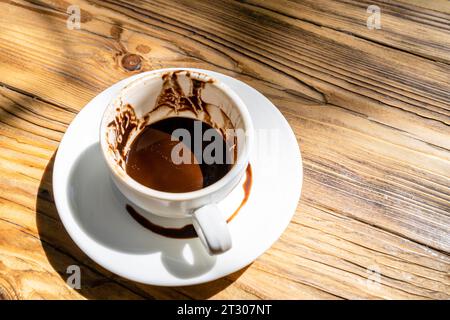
[100, 212]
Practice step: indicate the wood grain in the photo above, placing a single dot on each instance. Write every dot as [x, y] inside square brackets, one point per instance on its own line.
[370, 109]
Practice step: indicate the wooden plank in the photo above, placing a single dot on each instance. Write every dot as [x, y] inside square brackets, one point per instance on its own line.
[355, 74]
[416, 27]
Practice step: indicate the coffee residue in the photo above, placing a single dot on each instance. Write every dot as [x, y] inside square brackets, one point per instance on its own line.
[188, 231]
[121, 130]
[150, 162]
[172, 95]
[123, 125]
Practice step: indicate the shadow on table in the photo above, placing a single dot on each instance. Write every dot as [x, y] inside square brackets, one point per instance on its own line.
[98, 283]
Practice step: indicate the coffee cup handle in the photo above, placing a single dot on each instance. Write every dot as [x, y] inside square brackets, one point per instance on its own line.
[212, 229]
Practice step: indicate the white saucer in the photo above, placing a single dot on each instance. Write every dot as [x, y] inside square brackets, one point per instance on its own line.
[94, 214]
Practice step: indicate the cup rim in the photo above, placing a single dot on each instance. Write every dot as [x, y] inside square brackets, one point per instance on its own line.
[237, 169]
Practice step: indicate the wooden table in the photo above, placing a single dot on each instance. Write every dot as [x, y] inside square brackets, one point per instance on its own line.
[370, 109]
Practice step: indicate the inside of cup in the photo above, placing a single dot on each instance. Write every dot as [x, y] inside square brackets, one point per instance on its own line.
[171, 94]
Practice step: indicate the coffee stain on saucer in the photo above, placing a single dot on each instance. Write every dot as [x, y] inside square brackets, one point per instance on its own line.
[185, 232]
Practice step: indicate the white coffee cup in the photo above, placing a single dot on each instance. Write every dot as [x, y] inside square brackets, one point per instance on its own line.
[223, 108]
